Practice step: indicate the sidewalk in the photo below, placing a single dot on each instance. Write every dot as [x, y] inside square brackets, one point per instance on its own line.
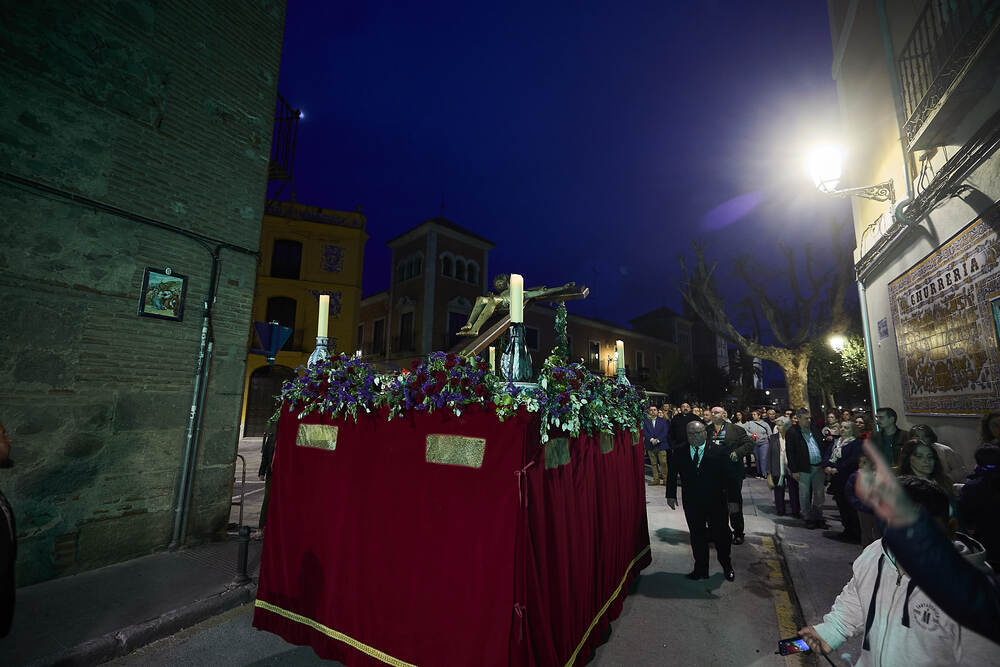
[95, 616]
[818, 566]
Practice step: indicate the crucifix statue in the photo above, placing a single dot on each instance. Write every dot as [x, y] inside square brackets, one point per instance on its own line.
[486, 306]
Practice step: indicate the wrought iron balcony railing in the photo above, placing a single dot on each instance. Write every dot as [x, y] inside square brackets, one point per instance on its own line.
[945, 40]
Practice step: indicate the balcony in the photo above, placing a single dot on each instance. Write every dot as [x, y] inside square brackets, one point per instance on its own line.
[948, 69]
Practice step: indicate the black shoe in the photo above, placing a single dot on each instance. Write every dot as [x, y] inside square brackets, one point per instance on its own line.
[730, 575]
[780, 514]
[695, 575]
[738, 539]
[811, 525]
[796, 515]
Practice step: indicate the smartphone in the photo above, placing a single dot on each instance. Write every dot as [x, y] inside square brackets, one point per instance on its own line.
[793, 645]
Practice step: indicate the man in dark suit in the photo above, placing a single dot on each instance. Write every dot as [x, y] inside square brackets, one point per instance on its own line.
[806, 451]
[654, 431]
[738, 443]
[706, 473]
[678, 426]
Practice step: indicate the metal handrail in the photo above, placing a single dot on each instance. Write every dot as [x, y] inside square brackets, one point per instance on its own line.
[243, 490]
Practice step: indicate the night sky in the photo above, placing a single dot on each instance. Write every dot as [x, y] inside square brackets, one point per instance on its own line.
[591, 141]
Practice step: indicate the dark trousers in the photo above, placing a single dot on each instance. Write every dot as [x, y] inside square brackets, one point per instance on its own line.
[848, 515]
[704, 522]
[736, 518]
[793, 495]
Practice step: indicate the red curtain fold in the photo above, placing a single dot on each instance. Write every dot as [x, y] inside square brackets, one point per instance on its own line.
[374, 556]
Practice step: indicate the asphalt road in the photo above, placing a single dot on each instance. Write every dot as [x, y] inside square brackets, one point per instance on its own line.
[666, 620]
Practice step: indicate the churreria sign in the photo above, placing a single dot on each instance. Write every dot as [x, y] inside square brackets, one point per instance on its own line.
[954, 276]
[943, 318]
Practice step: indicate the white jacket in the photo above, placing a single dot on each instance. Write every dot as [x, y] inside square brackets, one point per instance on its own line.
[905, 627]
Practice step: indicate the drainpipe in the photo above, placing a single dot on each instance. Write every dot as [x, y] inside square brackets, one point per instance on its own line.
[193, 434]
[869, 357]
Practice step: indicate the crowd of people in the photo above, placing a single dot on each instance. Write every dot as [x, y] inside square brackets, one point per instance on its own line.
[838, 455]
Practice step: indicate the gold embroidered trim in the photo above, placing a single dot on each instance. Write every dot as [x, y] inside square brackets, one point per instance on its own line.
[607, 442]
[635, 437]
[455, 450]
[604, 609]
[333, 634]
[319, 436]
[556, 452]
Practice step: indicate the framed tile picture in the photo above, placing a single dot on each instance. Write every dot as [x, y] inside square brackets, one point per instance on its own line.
[162, 294]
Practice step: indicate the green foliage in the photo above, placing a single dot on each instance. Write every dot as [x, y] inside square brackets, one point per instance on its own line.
[561, 350]
[844, 374]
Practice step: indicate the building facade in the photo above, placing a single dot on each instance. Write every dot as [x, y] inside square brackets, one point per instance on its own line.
[439, 268]
[305, 251]
[919, 101]
[134, 147]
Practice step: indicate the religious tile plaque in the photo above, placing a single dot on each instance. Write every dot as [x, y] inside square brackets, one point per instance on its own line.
[944, 325]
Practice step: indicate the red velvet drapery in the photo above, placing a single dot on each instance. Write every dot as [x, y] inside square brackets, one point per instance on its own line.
[375, 556]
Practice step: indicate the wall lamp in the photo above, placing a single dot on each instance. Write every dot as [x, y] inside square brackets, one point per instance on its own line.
[825, 163]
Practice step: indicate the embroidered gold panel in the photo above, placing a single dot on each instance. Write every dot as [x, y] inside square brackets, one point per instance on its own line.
[635, 437]
[556, 452]
[455, 450]
[319, 436]
[607, 442]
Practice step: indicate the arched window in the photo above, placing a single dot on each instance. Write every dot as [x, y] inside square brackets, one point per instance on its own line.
[286, 259]
[401, 272]
[459, 269]
[446, 266]
[418, 265]
[472, 273]
[282, 310]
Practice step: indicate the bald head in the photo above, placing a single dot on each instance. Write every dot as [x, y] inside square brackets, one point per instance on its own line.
[696, 433]
[718, 416]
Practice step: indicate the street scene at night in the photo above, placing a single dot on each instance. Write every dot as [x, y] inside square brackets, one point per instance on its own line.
[524, 334]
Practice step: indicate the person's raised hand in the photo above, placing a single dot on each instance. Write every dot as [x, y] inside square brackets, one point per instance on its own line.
[880, 490]
[815, 642]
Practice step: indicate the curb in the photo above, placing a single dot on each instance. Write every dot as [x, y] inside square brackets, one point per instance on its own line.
[122, 642]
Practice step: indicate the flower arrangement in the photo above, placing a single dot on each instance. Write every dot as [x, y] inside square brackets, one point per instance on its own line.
[447, 380]
[569, 397]
[569, 390]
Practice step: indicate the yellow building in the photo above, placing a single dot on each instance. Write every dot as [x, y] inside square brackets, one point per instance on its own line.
[920, 107]
[305, 251]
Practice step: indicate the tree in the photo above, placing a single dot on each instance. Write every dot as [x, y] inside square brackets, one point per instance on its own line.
[842, 375]
[743, 374]
[816, 310]
[673, 376]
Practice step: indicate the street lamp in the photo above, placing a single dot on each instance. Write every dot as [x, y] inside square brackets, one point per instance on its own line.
[825, 163]
[837, 343]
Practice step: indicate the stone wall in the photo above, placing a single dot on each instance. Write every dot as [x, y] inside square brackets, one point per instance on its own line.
[161, 111]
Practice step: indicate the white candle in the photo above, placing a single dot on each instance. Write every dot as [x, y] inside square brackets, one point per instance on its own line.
[493, 359]
[619, 355]
[324, 315]
[516, 298]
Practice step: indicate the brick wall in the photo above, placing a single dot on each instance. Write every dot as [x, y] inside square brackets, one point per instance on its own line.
[164, 110]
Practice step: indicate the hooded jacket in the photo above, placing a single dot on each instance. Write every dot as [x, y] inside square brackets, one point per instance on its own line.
[900, 624]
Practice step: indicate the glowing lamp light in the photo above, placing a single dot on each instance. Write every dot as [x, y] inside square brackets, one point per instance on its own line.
[837, 343]
[824, 163]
